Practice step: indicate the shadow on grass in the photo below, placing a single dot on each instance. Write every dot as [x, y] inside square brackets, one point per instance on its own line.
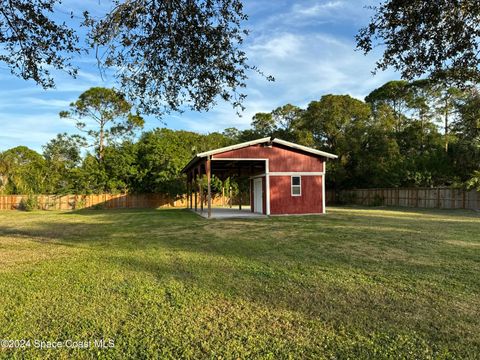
[364, 242]
[314, 238]
[343, 268]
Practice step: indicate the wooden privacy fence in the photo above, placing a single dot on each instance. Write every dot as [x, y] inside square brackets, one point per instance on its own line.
[103, 201]
[440, 198]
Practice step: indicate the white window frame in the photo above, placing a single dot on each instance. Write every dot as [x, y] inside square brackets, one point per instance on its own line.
[296, 186]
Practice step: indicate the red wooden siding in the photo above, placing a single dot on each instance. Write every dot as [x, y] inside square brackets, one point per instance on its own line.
[288, 160]
[280, 159]
[282, 202]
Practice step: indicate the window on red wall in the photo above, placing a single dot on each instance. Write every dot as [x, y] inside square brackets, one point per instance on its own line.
[296, 185]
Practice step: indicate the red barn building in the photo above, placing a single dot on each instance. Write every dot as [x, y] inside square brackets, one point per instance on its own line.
[285, 178]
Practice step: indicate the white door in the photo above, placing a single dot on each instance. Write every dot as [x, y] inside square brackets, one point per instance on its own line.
[257, 196]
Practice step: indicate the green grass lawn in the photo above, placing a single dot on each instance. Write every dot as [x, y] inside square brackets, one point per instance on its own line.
[356, 283]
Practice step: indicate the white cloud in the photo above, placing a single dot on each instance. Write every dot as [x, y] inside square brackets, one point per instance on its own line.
[284, 46]
[305, 65]
[91, 77]
[32, 130]
[321, 8]
[307, 45]
[46, 103]
[321, 64]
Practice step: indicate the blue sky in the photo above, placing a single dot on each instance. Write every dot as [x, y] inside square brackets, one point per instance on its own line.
[308, 46]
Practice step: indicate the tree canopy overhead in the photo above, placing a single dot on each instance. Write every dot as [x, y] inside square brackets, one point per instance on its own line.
[166, 55]
[439, 39]
[174, 53]
[34, 42]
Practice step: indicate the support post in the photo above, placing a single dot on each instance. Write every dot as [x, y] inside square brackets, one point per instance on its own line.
[223, 196]
[190, 194]
[196, 202]
[267, 186]
[190, 190]
[196, 196]
[200, 190]
[208, 170]
[239, 190]
[324, 193]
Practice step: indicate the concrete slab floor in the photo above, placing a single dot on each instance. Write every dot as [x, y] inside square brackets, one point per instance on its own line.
[227, 213]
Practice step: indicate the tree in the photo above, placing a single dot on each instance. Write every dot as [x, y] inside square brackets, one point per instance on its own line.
[110, 115]
[474, 181]
[162, 154]
[34, 42]
[175, 53]
[291, 125]
[285, 122]
[468, 125]
[22, 171]
[165, 54]
[263, 124]
[121, 167]
[378, 160]
[395, 94]
[465, 151]
[338, 125]
[62, 155]
[447, 96]
[286, 117]
[232, 133]
[64, 149]
[334, 117]
[439, 39]
[421, 95]
[91, 177]
[171, 54]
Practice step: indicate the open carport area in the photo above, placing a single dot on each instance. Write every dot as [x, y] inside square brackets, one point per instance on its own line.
[229, 213]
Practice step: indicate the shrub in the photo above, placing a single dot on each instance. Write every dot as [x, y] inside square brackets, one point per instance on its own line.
[98, 206]
[347, 198]
[79, 204]
[474, 182]
[378, 200]
[29, 203]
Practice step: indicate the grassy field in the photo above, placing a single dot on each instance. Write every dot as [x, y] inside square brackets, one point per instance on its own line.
[357, 283]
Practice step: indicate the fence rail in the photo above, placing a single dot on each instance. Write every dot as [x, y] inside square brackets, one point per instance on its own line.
[440, 198]
[104, 201]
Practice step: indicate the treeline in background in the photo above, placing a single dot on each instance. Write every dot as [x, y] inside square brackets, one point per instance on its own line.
[405, 134]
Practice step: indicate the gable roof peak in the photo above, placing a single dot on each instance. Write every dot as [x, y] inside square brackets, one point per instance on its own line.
[271, 140]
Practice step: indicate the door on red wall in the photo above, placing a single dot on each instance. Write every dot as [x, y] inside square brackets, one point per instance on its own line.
[258, 195]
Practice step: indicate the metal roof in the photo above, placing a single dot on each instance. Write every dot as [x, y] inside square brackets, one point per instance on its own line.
[261, 141]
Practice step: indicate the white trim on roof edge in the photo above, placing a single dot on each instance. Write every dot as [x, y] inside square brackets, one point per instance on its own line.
[234, 147]
[268, 139]
[304, 148]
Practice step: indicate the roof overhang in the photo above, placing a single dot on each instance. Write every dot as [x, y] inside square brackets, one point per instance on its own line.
[256, 142]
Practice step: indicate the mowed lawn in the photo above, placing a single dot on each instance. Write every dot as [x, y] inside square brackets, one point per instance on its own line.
[356, 283]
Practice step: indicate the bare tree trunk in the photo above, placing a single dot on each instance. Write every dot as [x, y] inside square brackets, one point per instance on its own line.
[446, 124]
[100, 144]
